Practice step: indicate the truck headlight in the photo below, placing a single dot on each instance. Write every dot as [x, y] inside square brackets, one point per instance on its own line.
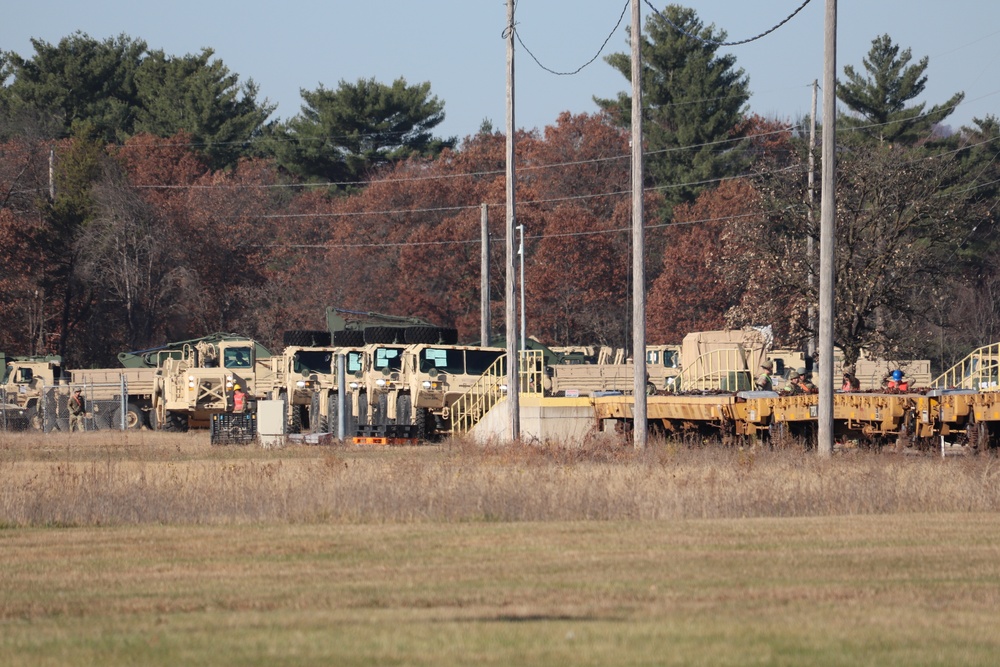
[427, 384]
[300, 384]
[380, 382]
[354, 385]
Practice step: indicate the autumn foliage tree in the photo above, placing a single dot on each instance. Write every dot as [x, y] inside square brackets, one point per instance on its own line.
[900, 215]
[693, 291]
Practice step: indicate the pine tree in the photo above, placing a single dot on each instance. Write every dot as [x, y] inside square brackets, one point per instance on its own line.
[694, 98]
[880, 98]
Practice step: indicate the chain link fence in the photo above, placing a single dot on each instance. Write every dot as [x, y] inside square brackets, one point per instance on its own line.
[106, 407]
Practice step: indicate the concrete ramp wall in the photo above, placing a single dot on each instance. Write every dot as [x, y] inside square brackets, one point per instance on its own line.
[564, 420]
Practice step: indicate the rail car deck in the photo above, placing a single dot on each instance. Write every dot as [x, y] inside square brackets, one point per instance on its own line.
[911, 420]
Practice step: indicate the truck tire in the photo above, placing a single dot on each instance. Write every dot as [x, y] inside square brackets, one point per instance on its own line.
[362, 410]
[333, 412]
[295, 419]
[306, 338]
[350, 420]
[384, 335]
[349, 338]
[380, 410]
[404, 408]
[419, 334]
[135, 418]
[423, 428]
[431, 335]
[175, 422]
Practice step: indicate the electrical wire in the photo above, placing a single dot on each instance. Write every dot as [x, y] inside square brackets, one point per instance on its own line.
[532, 237]
[537, 167]
[517, 36]
[719, 43]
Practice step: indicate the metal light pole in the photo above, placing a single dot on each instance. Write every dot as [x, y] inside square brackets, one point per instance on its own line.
[520, 252]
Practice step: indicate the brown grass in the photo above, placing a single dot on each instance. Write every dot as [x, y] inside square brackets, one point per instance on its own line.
[127, 479]
[181, 553]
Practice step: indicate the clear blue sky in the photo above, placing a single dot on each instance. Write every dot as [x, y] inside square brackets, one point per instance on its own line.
[457, 45]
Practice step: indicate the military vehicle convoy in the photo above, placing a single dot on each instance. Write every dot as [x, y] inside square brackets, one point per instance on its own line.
[401, 375]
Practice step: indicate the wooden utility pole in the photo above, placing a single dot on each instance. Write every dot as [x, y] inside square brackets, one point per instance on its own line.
[827, 228]
[513, 386]
[639, 427]
[484, 279]
[52, 174]
[810, 250]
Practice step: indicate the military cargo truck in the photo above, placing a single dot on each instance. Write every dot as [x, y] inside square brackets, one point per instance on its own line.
[310, 386]
[199, 382]
[706, 360]
[41, 385]
[871, 372]
[417, 385]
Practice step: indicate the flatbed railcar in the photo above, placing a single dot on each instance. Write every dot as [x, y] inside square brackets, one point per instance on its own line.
[896, 421]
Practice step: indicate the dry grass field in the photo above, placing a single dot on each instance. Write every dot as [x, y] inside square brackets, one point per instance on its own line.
[157, 549]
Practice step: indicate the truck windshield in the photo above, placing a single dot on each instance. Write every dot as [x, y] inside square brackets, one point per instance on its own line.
[354, 362]
[313, 361]
[443, 359]
[236, 357]
[478, 362]
[388, 357]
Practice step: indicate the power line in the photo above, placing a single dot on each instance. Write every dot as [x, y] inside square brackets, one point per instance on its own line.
[552, 200]
[719, 43]
[494, 172]
[533, 237]
[517, 36]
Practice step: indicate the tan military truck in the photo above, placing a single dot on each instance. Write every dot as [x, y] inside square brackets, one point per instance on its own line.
[199, 382]
[716, 360]
[871, 372]
[41, 386]
[416, 385]
[310, 385]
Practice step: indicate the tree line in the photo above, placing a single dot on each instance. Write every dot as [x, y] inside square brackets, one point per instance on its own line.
[174, 208]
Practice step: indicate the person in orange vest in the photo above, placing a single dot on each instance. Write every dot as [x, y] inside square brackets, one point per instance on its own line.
[897, 383]
[805, 381]
[851, 382]
[239, 398]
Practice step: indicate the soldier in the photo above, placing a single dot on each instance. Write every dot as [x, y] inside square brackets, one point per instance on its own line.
[76, 411]
[805, 381]
[792, 388]
[764, 381]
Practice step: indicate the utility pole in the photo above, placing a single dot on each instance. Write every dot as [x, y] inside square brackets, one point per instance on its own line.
[639, 426]
[827, 227]
[484, 279]
[513, 386]
[52, 174]
[810, 251]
